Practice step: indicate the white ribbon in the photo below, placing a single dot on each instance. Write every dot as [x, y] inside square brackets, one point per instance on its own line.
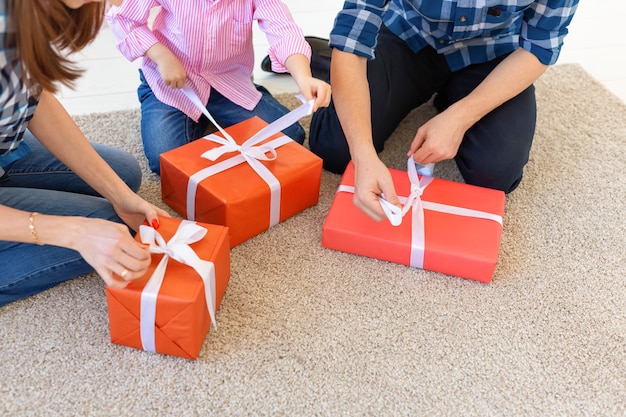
[414, 203]
[179, 250]
[395, 213]
[249, 152]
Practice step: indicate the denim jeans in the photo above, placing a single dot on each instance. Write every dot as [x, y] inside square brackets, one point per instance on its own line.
[40, 182]
[493, 152]
[164, 127]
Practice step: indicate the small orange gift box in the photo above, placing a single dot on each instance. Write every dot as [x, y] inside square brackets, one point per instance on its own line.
[247, 188]
[170, 309]
[448, 227]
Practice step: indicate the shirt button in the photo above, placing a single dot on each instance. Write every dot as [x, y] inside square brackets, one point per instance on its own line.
[441, 41]
[463, 19]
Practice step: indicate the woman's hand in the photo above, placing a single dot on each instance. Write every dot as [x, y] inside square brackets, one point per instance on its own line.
[134, 211]
[111, 250]
[125, 258]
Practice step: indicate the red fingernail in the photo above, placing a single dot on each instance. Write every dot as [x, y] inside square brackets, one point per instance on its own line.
[155, 223]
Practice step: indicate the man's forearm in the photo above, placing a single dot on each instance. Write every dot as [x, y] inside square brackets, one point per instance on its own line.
[352, 101]
[512, 76]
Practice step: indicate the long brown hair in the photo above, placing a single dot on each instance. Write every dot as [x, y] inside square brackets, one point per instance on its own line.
[47, 32]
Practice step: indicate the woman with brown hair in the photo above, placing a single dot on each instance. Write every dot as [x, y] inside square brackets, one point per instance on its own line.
[66, 205]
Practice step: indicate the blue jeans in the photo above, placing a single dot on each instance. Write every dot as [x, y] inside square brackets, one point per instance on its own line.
[164, 127]
[493, 152]
[40, 182]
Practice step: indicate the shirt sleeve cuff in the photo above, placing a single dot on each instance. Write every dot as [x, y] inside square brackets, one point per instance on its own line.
[136, 43]
[279, 53]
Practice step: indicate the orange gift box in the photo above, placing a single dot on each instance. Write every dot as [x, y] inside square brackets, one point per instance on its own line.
[182, 319]
[238, 197]
[465, 245]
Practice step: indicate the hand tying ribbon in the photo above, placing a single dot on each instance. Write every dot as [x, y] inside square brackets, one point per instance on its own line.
[249, 152]
[395, 213]
[248, 148]
[178, 249]
[414, 203]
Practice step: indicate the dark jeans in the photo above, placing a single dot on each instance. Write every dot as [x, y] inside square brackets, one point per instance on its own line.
[493, 152]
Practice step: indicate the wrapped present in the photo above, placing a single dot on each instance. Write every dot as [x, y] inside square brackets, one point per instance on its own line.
[171, 308]
[248, 177]
[443, 226]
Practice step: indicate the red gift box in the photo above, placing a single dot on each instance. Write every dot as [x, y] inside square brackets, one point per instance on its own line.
[229, 192]
[457, 234]
[173, 317]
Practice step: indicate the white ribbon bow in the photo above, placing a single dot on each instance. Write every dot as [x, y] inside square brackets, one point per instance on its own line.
[395, 213]
[413, 202]
[249, 152]
[179, 250]
[248, 148]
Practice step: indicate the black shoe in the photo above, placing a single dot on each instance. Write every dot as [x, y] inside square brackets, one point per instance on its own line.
[266, 65]
[441, 102]
[320, 58]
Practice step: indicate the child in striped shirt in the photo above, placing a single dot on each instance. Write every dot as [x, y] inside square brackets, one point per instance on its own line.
[207, 45]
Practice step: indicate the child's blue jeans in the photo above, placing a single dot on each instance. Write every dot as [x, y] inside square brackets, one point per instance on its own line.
[164, 127]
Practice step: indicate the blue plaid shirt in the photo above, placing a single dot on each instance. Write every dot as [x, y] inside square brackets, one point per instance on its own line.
[465, 31]
[17, 104]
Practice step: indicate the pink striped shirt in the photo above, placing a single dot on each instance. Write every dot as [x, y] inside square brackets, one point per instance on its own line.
[213, 41]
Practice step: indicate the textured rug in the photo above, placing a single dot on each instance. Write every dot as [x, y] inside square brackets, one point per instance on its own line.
[307, 331]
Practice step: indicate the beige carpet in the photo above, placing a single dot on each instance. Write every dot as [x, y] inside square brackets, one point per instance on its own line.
[306, 331]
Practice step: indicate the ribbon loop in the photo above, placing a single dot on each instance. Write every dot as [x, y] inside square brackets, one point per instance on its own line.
[260, 152]
[427, 169]
[393, 212]
[215, 153]
[249, 148]
[413, 200]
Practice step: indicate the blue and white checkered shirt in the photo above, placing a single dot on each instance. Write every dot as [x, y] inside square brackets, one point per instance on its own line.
[17, 104]
[465, 31]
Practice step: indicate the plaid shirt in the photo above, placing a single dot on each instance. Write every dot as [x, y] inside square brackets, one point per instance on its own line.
[465, 31]
[17, 104]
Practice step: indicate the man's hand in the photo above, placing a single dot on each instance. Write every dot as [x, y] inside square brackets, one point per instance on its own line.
[371, 181]
[438, 139]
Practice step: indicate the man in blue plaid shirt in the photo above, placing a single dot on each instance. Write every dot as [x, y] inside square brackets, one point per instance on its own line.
[479, 59]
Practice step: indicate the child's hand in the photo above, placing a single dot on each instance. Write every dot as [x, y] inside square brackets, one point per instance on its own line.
[312, 88]
[172, 71]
